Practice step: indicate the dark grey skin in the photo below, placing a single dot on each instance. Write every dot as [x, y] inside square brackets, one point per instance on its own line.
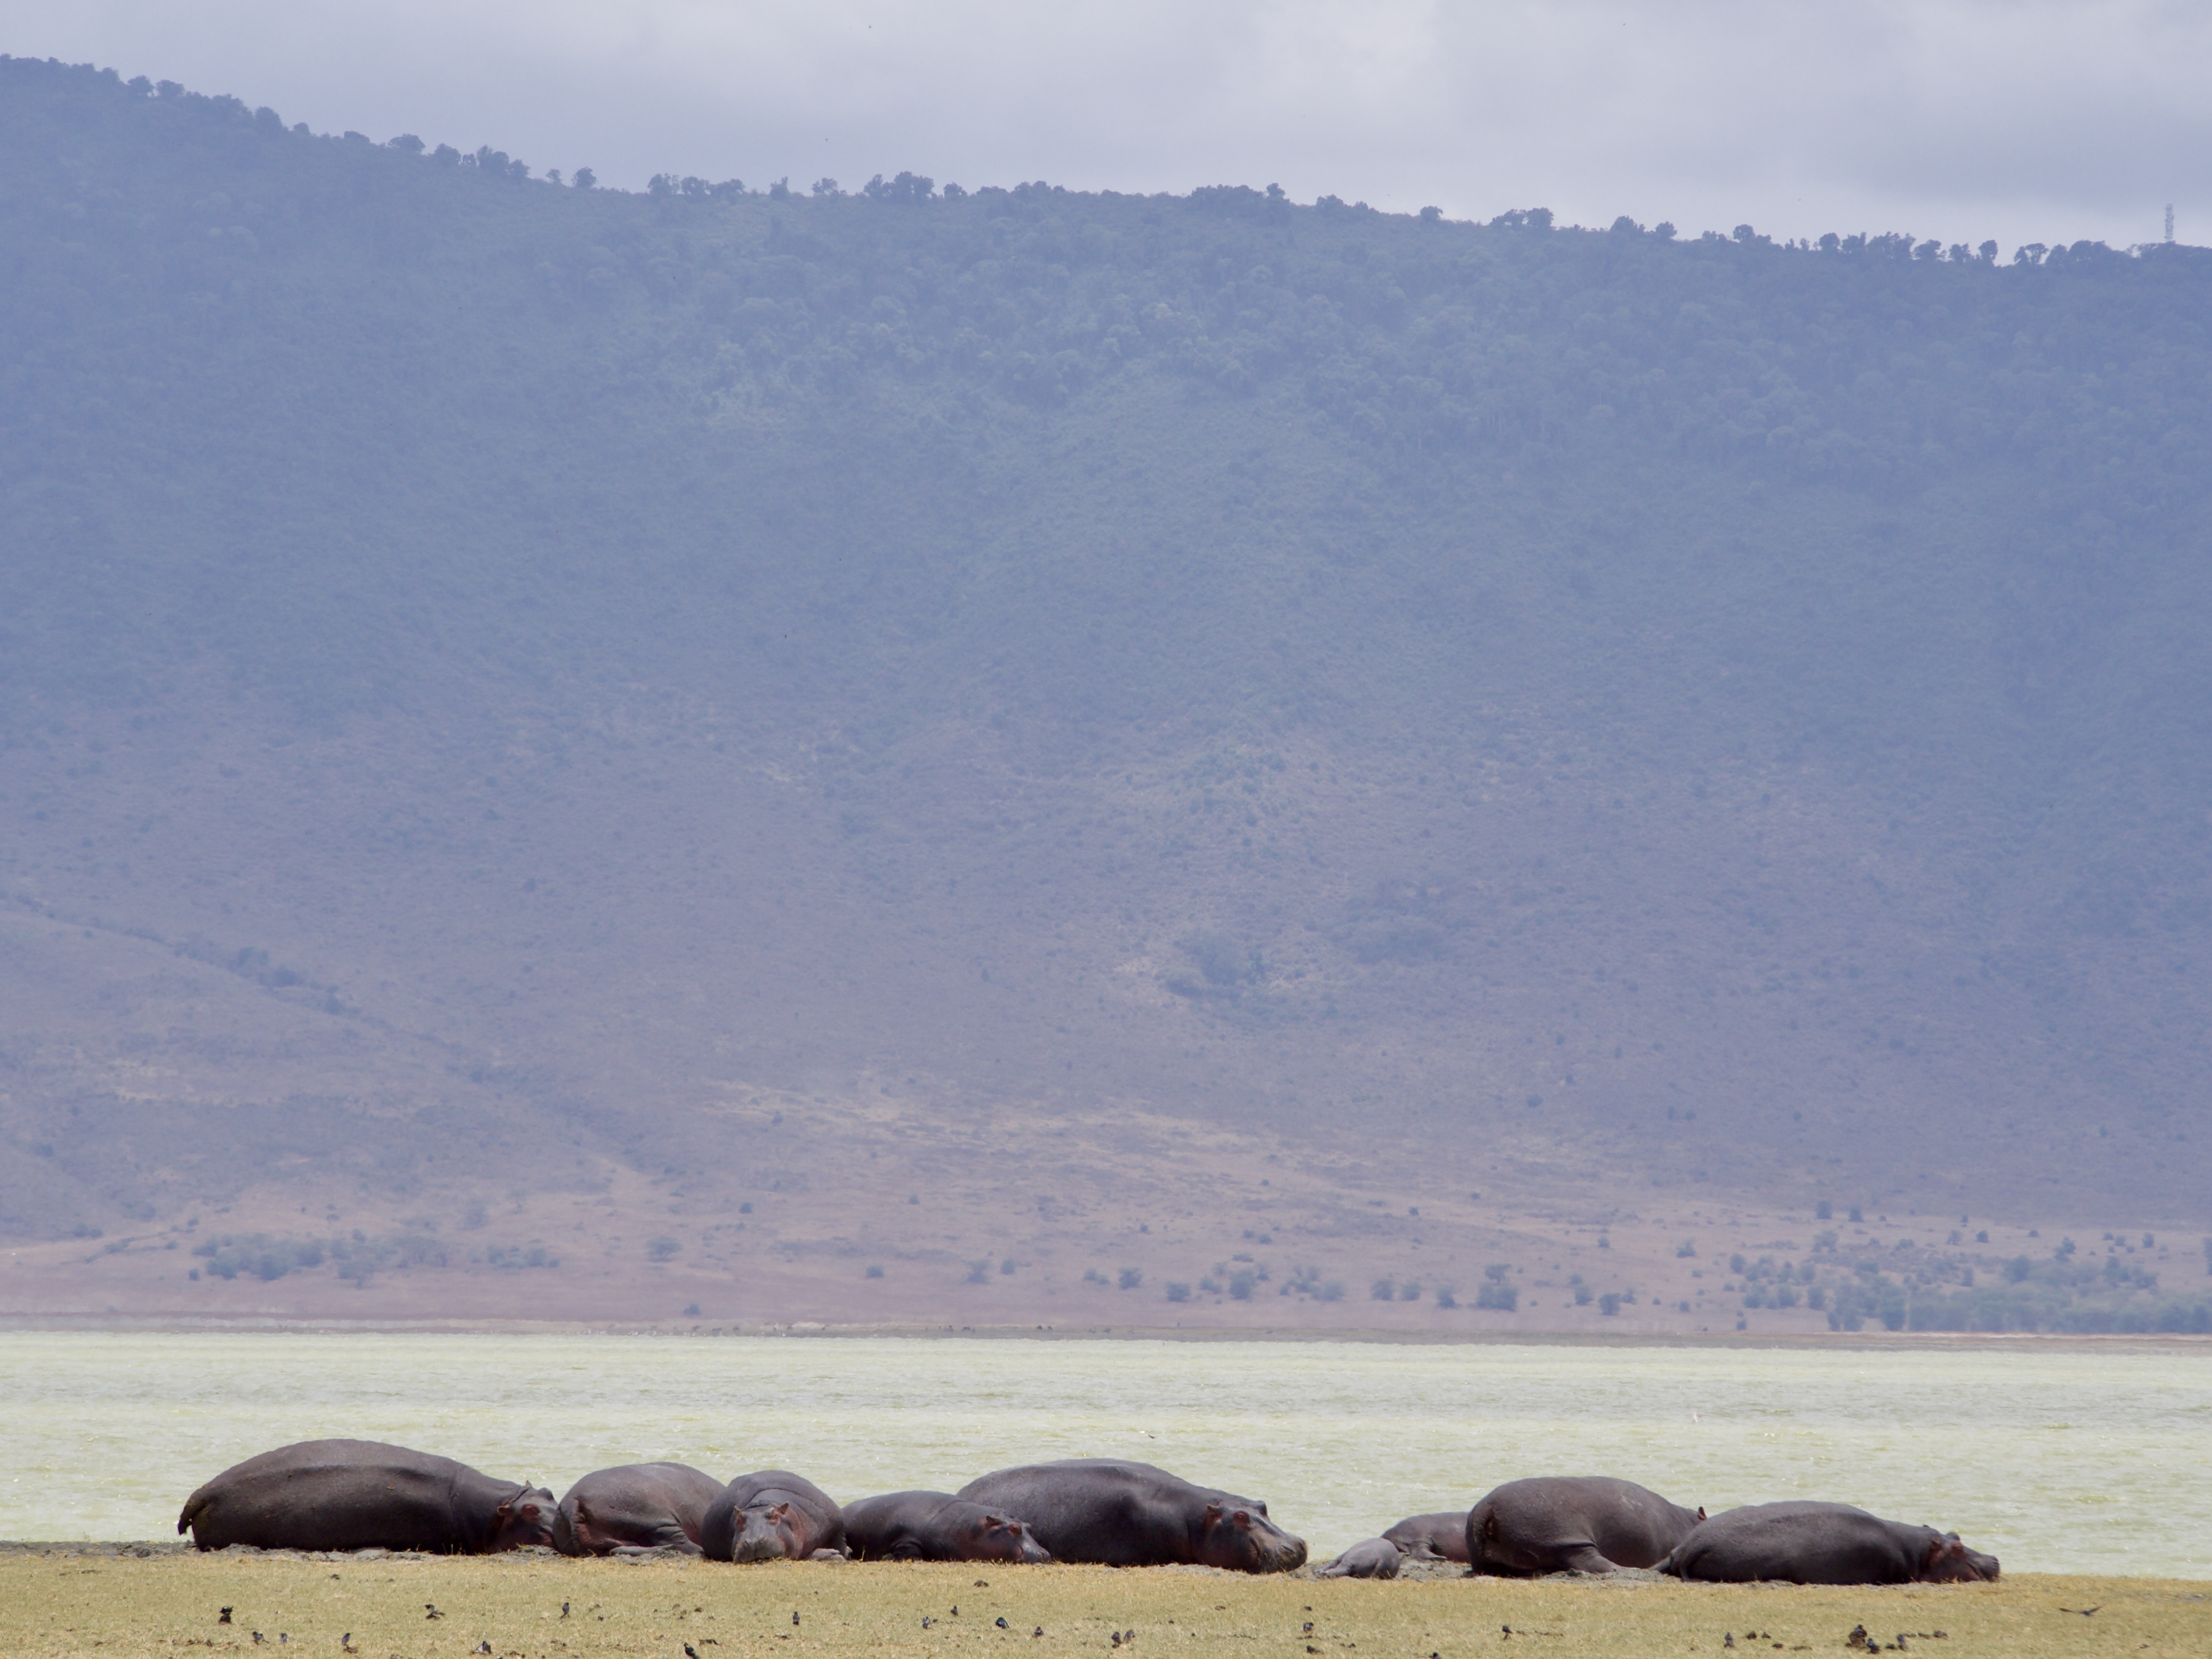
[935, 1526]
[636, 1506]
[1806, 1543]
[772, 1515]
[1427, 1536]
[361, 1495]
[1121, 1514]
[1573, 1524]
[1370, 1558]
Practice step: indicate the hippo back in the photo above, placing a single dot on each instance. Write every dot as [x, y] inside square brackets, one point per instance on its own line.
[635, 1506]
[1582, 1523]
[1816, 1543]
[363, 1494]
[1121, 1513]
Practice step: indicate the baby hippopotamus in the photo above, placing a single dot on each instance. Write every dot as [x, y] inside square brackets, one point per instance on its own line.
[1806, 1543]
[772, 1515]
[1442, 1534]
[935, 1526]
[1370, 1558]
[363, 1494]
[1573, 1524]
[1126, 1513]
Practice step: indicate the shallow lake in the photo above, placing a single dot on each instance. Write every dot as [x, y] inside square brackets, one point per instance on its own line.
[2055, 1459]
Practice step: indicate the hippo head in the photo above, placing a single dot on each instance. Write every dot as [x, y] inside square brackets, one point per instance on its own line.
[1242, 1538]
[997, 1537]
[525, 1520]
[771, 1533]
[1950, 1562]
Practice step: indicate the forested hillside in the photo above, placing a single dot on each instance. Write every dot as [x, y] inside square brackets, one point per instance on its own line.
[495, 675]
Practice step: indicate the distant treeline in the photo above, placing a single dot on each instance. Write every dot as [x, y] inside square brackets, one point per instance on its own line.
[1857, 354]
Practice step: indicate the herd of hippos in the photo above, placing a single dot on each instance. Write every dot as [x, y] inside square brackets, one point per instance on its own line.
[358, 1494]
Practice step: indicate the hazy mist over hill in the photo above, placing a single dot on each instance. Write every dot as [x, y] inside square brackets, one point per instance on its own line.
[499, 679]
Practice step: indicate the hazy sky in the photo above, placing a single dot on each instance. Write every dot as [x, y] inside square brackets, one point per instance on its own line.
[2041, 120]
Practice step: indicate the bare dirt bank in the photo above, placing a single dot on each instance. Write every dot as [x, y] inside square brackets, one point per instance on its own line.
[107, 1600]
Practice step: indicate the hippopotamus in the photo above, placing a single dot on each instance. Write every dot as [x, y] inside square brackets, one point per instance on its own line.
[1421, 1536]
[1573, 1524]
[1370, 1558]
[772, 1515]
[1806, 1543]
[637, 1506]
[361, 1494]
[1131, 1514]
[935, 1526]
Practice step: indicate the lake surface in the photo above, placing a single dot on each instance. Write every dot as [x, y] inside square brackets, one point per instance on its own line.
[2054, 1460]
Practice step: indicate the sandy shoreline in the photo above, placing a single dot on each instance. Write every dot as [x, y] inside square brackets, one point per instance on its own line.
[72, 1601]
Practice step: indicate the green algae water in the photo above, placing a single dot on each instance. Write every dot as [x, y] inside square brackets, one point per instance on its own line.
[2057, 1459]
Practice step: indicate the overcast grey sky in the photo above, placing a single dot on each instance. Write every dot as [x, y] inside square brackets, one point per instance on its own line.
[2024, 120]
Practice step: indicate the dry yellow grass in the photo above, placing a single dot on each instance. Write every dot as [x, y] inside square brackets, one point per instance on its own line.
[93, 1603]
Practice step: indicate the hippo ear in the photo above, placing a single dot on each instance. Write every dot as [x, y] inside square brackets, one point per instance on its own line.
[1213, 1513]
[1701, 1511]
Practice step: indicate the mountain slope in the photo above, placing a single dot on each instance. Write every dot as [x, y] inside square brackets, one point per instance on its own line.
[529, 666]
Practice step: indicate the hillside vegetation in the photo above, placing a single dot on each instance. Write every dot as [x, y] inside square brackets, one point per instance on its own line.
[494, 674]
